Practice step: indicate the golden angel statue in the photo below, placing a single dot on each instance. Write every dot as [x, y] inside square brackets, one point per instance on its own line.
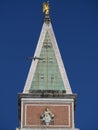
[46, 8]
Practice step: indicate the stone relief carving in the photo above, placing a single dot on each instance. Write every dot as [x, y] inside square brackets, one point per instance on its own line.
[47, 118]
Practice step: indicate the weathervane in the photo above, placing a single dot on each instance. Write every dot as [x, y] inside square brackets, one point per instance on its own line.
[46, 8]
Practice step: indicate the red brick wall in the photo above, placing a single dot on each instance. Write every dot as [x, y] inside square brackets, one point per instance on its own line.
[32, 113]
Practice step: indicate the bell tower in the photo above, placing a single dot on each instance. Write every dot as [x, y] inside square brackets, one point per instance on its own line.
[47, 101]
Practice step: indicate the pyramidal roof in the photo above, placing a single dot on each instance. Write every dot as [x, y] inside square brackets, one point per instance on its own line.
[47, 71]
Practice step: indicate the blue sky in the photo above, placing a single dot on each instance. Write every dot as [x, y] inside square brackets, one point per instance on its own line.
[75, 25]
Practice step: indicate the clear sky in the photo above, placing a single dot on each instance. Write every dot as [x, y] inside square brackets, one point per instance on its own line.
[75, 24]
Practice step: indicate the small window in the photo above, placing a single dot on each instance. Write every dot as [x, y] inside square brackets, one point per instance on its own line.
[52, 76]
[42, 76]
[47, 44]
[43, 61]
[51, 60]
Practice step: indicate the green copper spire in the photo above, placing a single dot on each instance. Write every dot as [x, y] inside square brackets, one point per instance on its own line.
[47, 71]
[47, 75]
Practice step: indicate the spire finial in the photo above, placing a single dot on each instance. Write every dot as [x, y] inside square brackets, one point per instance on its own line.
[46, 10]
